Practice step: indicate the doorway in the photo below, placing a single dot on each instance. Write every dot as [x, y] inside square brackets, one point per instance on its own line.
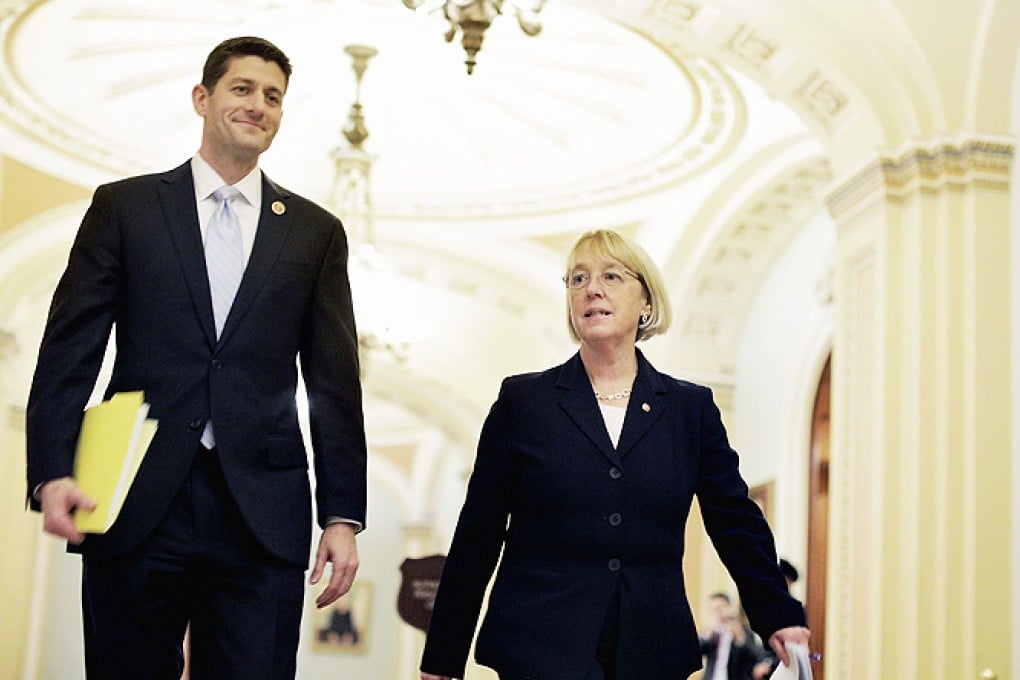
[818, 516]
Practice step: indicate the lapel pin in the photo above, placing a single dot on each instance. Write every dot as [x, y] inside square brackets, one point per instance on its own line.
[645, 407]
[278, 207]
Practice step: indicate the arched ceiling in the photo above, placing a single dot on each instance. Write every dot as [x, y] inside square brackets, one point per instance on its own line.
[648, 117]
[589, 113]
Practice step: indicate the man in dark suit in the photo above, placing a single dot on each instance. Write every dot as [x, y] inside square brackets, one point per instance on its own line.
[215, 532]
[731, 650]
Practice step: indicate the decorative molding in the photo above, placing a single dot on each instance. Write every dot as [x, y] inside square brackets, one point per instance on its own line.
[845, 494]
[725, 284]
[693, 145]
[824, 101]
[714, 128]
[683, 16]
[727, 35]
[759, 50]
[676, 13]
[16, 104]
[985, 160]
[948, 162]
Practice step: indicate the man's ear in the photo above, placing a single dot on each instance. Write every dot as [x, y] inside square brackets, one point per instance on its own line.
[199, 98]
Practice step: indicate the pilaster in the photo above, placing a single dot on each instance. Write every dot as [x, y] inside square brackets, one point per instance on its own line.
[919, 574]
[20, 528]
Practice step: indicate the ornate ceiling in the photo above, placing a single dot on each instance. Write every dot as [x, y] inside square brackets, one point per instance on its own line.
[632, 115]
[590, 112]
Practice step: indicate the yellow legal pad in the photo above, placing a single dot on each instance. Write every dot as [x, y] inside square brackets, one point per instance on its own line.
[114, 437]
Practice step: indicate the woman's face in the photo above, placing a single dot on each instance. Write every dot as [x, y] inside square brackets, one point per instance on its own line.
[606, 299]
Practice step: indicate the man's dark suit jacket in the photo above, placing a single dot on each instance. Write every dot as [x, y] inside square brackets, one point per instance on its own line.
[578, 519]
[138, 265]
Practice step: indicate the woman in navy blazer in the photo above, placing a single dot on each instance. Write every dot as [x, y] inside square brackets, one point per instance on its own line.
[584, 479]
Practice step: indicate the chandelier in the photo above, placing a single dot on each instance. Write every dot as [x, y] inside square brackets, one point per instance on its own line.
[351, 198]
[351, 201]
[471, 18]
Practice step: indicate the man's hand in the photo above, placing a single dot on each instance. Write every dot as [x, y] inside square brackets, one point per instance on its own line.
[339, 547]
[429, 676]
[793, 635]
[59, 499]
[737, 631]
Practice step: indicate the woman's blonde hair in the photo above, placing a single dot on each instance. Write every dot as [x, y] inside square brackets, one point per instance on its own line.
[608, 243]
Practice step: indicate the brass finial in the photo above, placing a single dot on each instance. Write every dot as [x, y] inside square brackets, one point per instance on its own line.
[356, 132]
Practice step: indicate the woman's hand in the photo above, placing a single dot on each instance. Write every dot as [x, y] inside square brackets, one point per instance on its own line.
[793, 635]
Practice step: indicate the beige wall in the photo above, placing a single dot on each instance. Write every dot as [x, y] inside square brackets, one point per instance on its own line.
[21, 535]
[25, 192]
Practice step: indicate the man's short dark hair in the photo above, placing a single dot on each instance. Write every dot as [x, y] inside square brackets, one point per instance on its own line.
[218, 61]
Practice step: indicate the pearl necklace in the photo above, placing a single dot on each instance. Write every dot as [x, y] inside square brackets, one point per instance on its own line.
[613, 397]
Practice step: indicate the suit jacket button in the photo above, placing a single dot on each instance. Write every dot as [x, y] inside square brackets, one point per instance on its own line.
[217, 364]
[615, 519]
[196, 424]
[614, 564]
[614, 473]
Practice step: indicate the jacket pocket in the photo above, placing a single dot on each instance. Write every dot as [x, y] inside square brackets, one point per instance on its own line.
[286, 451]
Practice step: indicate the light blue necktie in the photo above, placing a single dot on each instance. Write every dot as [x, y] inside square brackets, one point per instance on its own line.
[224, 255]
[224, 260]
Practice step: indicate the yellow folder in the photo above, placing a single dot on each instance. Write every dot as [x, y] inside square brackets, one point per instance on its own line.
[114, 437]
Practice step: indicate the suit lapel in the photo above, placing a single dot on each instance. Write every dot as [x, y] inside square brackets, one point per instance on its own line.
[645, 407]
[578, 400]
[177, 200]
[274, 223]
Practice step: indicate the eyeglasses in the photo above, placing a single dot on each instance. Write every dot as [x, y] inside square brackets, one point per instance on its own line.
[610, 278]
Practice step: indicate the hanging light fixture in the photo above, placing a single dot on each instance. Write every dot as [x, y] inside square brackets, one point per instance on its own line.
[471, 18]
[351, 201]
